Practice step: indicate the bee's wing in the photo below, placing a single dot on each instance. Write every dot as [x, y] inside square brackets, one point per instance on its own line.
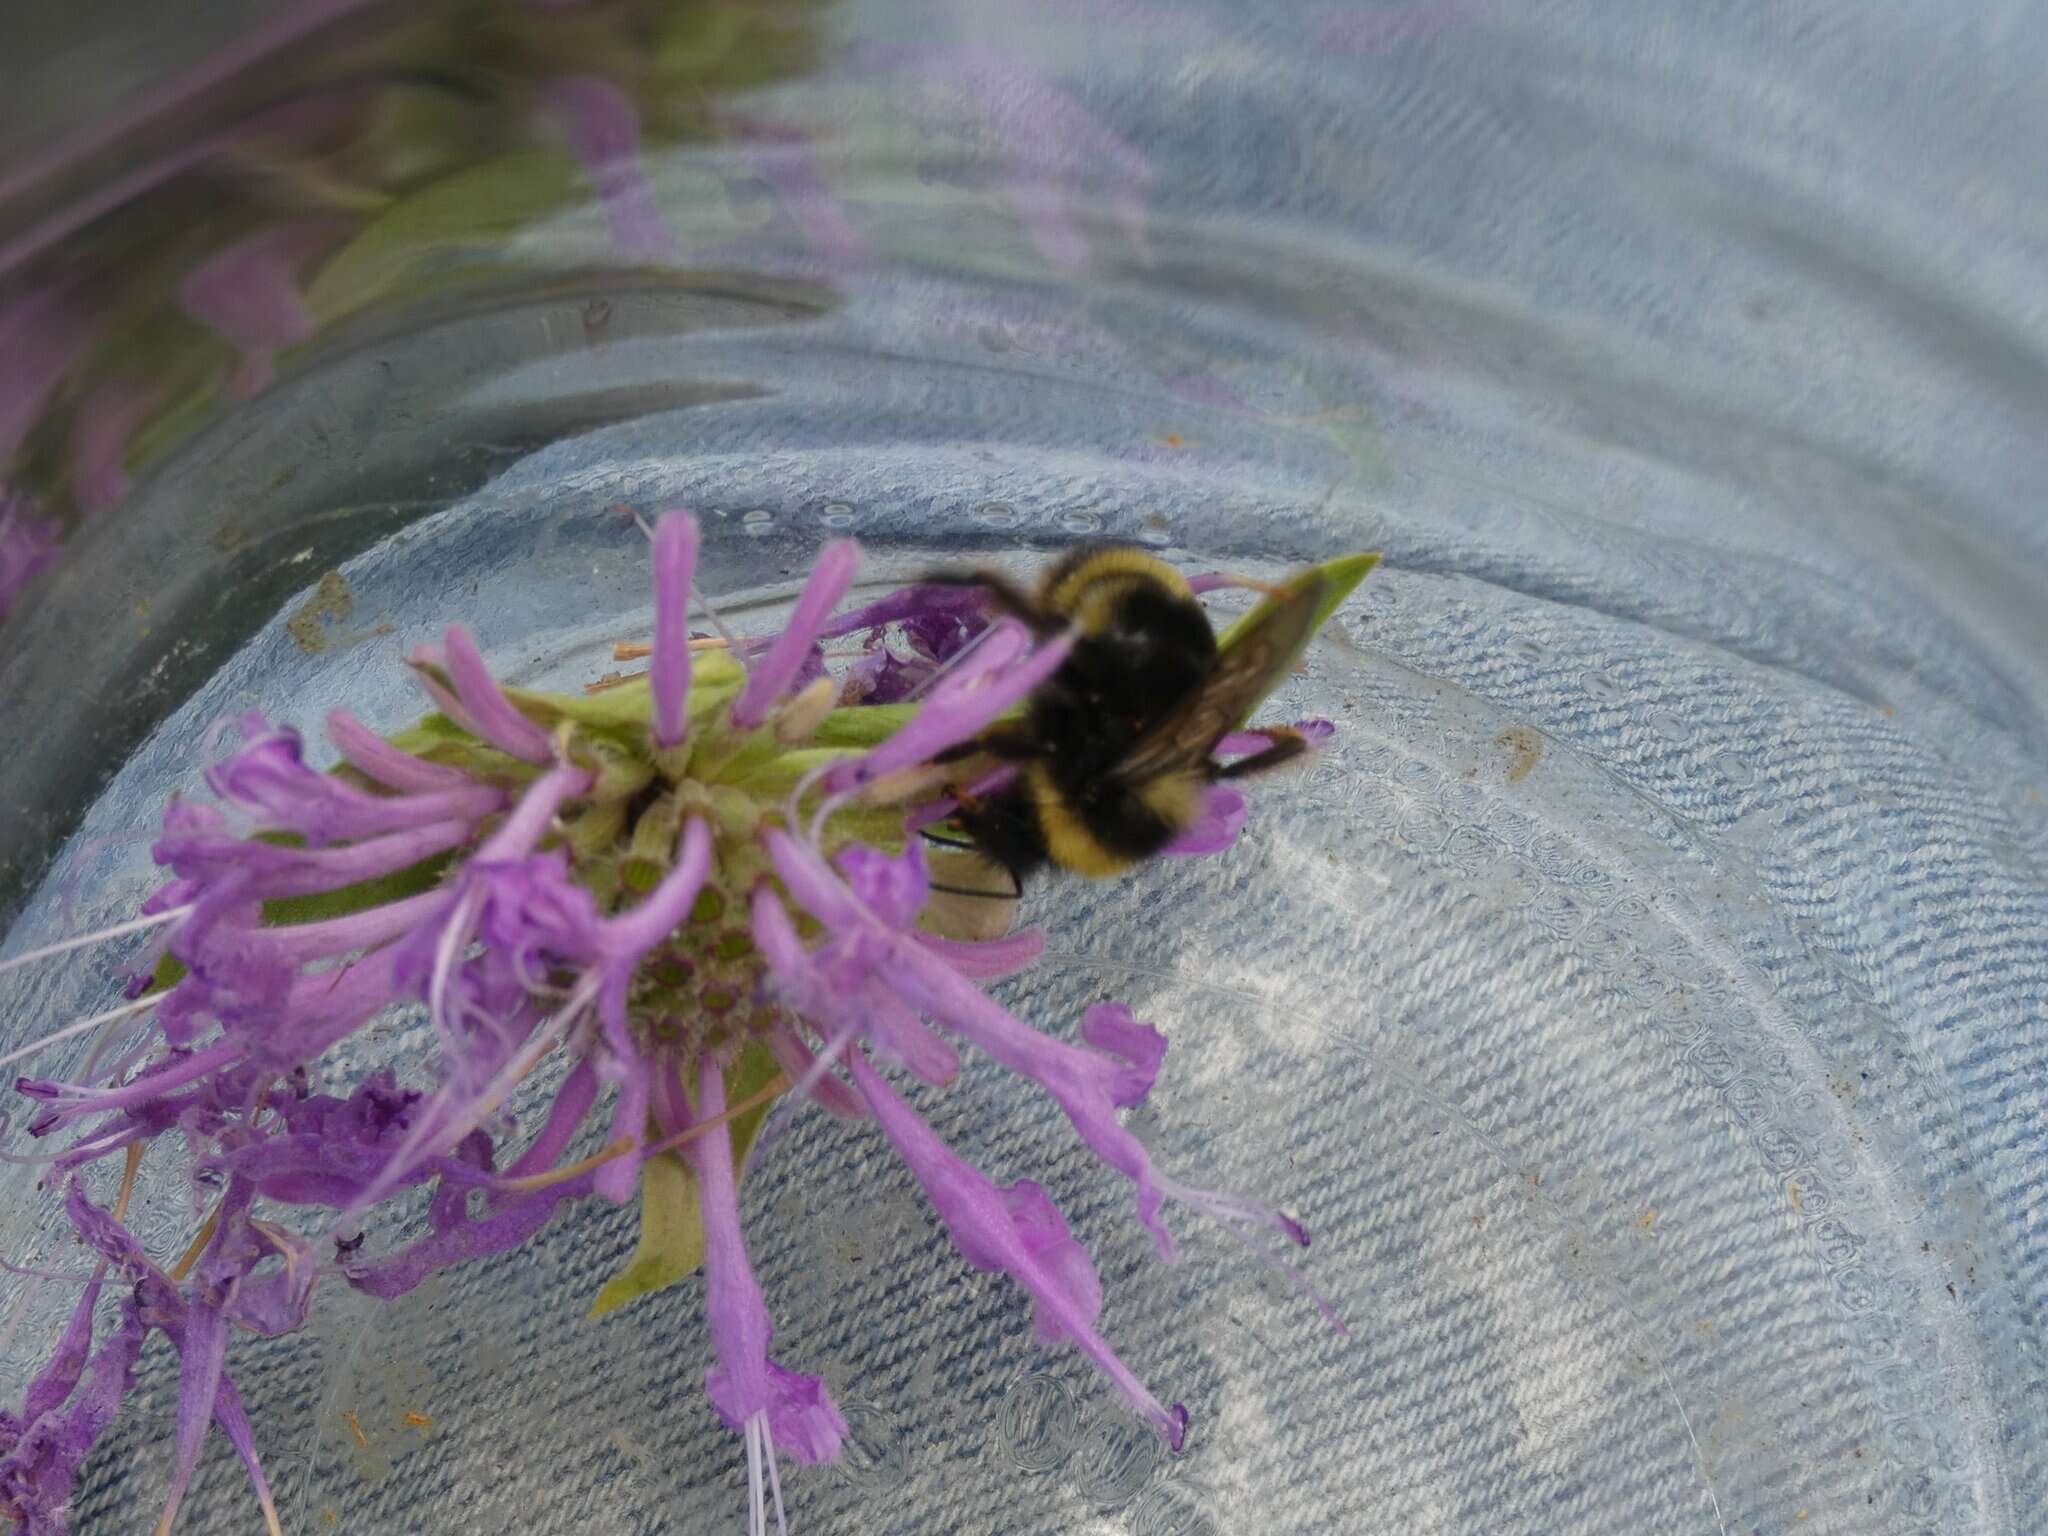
[1249, 669]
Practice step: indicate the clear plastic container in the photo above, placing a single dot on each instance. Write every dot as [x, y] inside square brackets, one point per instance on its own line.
[1641, 998]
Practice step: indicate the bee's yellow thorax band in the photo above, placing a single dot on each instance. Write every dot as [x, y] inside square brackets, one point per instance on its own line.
[1090, 589]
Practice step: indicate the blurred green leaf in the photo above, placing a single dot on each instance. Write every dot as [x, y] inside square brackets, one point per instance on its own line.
[1340, 578]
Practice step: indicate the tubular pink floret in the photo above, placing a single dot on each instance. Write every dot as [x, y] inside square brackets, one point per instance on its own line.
[675, 566]
[1014, 1230]
[498, 722]
[385, 763]
[772, 675]
[962, 705]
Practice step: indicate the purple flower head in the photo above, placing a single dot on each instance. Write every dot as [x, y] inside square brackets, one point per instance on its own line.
[676, 886]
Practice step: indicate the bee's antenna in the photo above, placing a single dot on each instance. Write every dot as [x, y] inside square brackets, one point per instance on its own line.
[1217, 579]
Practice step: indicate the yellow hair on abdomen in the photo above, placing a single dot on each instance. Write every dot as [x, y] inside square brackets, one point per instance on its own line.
[1175, 798]
[1067, 838]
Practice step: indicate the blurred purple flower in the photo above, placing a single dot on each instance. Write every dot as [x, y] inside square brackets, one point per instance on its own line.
[40, 333]
[1054, 149]
[783, 157]
[28, 547]
[603, 129]
[249, 292]
[104, 424]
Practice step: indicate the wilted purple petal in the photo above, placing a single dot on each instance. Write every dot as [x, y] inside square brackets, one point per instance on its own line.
[102, 428]
[746, 1384]
[773, 673]
[961, 705]
[622, 943]
[797, 1063]
[37, 1472]
[675, 564]
[54, 1382]
[174, 1073]
[202, 1356]
[1016, 1231]
[616, 1180]
[899, 1035]
[28, 547]
[1086, 1085]
[507, 1224]
[387, 764]
[604, 134]
[1224, 813]
[1043, 1232]
[627, 937]
[943, 615]
[234, 1423]
[297, 944]
[882, 677]
[520, 833]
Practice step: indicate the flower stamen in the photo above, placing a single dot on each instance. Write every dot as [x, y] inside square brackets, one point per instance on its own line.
[140, 1005]
[99, 936]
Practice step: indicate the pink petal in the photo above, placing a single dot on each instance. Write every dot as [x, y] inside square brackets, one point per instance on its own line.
[498, 721]
[1224, 814]
[675, 563]
[771, 675]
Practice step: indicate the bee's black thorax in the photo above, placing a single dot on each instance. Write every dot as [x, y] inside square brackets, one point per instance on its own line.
[1149, 650]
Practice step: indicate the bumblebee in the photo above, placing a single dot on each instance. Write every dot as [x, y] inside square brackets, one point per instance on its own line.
[1115, 751]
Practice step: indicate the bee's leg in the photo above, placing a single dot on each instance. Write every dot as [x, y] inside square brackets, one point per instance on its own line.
[1014, 893]
[1286, 745]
